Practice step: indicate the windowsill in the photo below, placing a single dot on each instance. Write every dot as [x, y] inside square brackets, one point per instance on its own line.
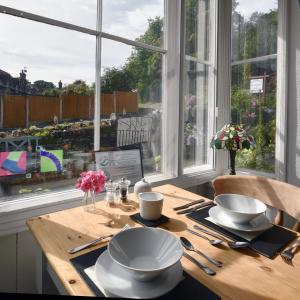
[242, 171]
[13, 214]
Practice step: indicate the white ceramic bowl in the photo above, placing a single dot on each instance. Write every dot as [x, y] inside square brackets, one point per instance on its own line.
[241, 209]
[145, 252]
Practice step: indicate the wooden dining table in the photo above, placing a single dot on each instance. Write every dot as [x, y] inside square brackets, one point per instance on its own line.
[245, 274]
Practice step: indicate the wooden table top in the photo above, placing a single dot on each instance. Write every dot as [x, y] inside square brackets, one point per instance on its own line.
[245, 274]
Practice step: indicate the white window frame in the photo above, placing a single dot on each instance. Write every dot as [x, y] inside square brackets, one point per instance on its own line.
[281, 97]
[212, 79]
[13, 214]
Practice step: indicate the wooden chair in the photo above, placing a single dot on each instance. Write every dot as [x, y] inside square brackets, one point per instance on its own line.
[280, 195]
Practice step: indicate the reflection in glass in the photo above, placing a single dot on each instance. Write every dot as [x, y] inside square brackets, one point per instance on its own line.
[133, 82]
[254, 35]
[195, 115]
[46, 106]
[140, 20]
[197, 76]
[197, 27]
[254, 29]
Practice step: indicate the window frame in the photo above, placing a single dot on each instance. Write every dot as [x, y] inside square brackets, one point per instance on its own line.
[212, 86]
[281, 96]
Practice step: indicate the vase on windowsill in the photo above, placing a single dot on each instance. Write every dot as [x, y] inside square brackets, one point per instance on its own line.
[232, 137]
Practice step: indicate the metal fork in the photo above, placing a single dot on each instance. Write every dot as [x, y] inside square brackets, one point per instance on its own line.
[288, 254]
[84, 246]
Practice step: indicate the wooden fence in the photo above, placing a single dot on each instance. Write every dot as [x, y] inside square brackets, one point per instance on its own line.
[22, 111]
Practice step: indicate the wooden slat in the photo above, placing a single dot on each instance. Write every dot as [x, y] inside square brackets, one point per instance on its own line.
[43, 108]
[14, 111]
[245, 275]
[127, 101]
[75, 106]
[107, 104]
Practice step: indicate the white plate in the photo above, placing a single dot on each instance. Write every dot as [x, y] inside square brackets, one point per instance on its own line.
[260, 223]
[117, 280]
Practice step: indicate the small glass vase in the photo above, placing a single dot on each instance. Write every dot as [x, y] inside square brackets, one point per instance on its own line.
[89, 201]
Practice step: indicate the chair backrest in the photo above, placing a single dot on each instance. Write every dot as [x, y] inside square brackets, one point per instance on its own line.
[280, 195]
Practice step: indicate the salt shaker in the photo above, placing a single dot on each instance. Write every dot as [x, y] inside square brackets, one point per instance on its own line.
[123, 185]
[111, 193]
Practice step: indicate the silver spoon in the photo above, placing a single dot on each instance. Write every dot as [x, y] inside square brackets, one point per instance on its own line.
[212, 242]
[188, 246]
[231, 244]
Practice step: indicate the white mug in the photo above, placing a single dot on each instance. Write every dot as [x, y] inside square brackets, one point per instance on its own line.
[151, 204]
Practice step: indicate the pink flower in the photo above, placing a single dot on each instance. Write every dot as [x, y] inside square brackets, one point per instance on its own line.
[91, 180]
[253, 102]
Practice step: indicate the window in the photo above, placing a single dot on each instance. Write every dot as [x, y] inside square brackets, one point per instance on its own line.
[254, 74]
[46, 93]
[79, 12]
[130, 19]
[134, 81]
[198, 73]
[78, 76]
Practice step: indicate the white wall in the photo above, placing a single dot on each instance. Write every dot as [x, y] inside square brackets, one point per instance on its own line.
[17, 263]
[293, 129]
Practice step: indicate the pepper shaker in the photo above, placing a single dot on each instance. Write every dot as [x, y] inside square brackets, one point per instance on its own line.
[123, 185]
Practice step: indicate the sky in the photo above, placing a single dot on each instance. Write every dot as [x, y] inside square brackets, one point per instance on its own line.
[247, 7]
[52, 54]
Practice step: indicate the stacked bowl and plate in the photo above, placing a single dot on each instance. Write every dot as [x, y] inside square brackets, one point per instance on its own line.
[141, 263]
[239, 212]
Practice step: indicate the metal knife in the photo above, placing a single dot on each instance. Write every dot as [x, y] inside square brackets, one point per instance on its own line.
[84, 246]
[189, 204]
[185, 211]
[206, 269]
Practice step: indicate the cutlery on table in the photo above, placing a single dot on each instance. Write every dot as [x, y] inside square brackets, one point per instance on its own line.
[189, 204]
[231, 244]
[206, 269]
[202, 205]
[188, 246]
[84, 246]
[212, 242]
[288, 254]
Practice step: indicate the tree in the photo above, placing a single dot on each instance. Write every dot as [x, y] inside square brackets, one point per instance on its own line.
[78, 87]
[41, 86]
[115, 80]
[142, 70]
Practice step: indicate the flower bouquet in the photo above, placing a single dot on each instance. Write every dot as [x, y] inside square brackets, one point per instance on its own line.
[232, 137]
[91, 183]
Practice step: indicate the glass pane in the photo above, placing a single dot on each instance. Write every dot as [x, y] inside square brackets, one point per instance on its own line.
[197, 27]
[140, 20]
[195, 114]
[79, 12]
[257, 111]
[46, 102]
[197, 76]
[254, 28]
[253, 93]
[132, 84]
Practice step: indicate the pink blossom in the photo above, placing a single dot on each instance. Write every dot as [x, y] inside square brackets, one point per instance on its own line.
[91, 180]
[254, 102]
